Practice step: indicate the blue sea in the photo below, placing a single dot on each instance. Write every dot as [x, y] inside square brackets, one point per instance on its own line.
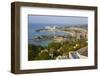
[33, 33]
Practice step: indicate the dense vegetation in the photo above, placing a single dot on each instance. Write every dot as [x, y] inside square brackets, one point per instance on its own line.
[54, 49]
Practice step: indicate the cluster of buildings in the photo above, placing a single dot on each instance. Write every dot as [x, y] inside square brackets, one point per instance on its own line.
[77, 33]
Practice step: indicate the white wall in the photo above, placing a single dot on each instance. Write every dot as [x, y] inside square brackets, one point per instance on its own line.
[5, 42]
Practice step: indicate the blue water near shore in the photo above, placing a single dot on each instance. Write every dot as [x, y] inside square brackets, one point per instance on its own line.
[33, 33]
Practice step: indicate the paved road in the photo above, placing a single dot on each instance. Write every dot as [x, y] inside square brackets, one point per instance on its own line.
[76, 55]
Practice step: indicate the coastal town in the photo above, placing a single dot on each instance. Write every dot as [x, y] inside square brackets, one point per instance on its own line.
[71, 44]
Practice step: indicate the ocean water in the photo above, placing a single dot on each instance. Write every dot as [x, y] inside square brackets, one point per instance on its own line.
[33, 33]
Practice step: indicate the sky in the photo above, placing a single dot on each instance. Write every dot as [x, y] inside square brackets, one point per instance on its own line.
[40, 19]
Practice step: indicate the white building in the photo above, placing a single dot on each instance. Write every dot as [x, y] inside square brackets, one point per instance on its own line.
[50, 28]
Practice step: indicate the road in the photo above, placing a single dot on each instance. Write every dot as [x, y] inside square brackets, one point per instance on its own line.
[76, 55]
